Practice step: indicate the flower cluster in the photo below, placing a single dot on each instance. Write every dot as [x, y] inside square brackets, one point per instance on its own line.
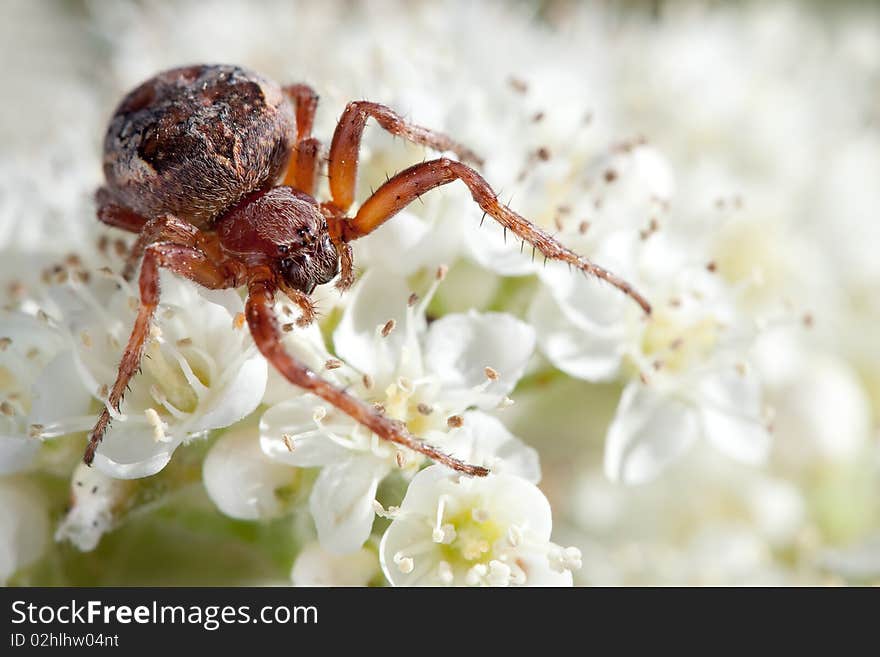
[728, 437]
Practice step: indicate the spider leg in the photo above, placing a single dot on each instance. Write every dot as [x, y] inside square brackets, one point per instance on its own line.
[166, 228]
[111, 213]
[343, 159]
[405, 187]
[301, 299]
[264, 328]
[305, 104]
[181, 259]
[304, 159]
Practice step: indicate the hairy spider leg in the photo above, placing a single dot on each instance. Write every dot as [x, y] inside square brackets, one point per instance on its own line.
[260, 311]
[345, 147]
[166, 228]
[406, 186]
[115, 215]
[302, 171]
[343, 163]
[183, 260]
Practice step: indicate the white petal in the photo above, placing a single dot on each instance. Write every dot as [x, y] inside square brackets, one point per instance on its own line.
[584, 351]
[459, 348]
[377, 298]
[59, 393]
[342, 502]
[649, 431]
[24, 526]
[307, 346]
[488, 247]
[129, 451]
[515, 501]
[17, 453]
[314, 566]
[539, 572]
[408, 243]
[484, 440]
[241, 480]
[234, 400]
[730, 411]
[288, 433]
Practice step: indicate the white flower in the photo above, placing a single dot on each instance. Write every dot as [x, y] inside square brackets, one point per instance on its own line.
[242, 481]
[686, 365]
[425, 376]
[492, 531]
[653, 426]
[24, 526]
[710, 521]
[96, 502]
[314, 566]
[28, 348]
[200, 370]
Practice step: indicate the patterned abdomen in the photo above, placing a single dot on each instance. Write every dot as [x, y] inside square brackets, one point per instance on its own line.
[193, 141]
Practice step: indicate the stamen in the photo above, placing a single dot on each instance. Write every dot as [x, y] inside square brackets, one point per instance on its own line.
[480, 515]
[499, 573]
[156, 424]
[476, 574]
[514, 536]
[444, 573]
[287, 439]
[387, 328]
[404, 564]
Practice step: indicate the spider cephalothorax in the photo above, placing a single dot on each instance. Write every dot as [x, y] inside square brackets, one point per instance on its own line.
[287, 229]
[193, 159]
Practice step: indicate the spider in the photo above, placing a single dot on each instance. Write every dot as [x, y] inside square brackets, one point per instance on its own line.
[192, 161]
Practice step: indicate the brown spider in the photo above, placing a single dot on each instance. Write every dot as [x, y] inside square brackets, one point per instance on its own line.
[192, 159]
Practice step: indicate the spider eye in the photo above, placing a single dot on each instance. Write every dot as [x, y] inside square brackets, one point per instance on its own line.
[283, 249]
[286, 264]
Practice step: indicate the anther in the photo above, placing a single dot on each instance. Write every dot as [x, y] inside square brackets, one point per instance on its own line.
[454, 421]
[387, 328]
[404, 564]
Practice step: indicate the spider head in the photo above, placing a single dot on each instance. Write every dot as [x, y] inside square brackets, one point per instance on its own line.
[285, 229]
[306, 267]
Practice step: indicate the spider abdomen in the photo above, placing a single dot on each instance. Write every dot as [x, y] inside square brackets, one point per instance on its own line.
[194, 141]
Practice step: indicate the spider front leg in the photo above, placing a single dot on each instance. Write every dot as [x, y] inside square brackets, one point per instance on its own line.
[304, 158]
[181, 259]
[344, 149]
[405, 187]
[264, 328]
